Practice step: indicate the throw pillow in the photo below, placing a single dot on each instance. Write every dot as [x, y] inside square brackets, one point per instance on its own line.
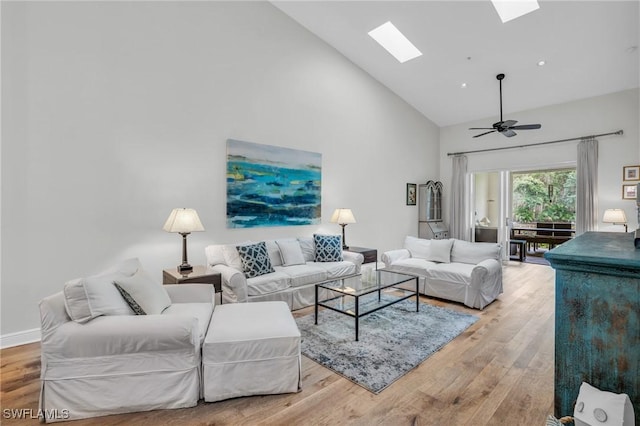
[132, 303]
[328, 248]
[90, 297]
[291, 252]
[232, 257]
[149, 294]
[274, 252]
[418, 247]
[440, 251]
[308, 248]
[255, 259]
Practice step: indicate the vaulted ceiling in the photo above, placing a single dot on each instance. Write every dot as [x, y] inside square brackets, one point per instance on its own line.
[590, 49]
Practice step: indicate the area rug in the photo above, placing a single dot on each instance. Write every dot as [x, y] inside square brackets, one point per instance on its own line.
[392, 341]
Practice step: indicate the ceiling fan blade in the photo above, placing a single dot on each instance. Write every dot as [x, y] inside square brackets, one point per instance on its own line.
[509, 133]
[508, 123]
[485, 133]
[480, 128]
[526, 127]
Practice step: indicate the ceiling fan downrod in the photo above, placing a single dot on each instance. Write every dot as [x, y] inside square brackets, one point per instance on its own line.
[500, 77]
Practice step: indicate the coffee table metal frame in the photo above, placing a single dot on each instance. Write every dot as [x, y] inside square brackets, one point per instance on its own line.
[357, 294]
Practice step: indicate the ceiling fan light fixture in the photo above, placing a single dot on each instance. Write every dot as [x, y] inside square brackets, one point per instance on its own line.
[463, 86]
[512, 9]
[389, 37]
[542, 63]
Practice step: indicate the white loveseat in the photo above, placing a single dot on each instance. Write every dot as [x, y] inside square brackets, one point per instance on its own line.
[296, 272]
[99, 358]
[456, 270]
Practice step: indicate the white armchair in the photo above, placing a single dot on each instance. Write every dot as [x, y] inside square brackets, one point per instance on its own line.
[123, 363]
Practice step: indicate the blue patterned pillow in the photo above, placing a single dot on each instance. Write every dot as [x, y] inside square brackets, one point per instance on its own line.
[255, 259]
[328, 248]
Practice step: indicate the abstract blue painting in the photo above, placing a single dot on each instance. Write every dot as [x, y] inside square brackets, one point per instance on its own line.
[272, 186]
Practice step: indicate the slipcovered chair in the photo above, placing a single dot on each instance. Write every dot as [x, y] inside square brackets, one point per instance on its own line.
[101, 355]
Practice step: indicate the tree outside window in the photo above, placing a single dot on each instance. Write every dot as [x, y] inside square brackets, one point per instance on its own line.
[545, 196]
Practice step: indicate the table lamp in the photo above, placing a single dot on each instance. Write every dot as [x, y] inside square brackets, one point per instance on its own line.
[343, 217]
[615, 216]
[183, 222]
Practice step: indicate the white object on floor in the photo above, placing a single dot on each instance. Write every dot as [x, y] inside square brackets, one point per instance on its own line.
[595, 407]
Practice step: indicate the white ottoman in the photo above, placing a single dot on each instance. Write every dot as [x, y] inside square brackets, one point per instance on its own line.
[251, 349]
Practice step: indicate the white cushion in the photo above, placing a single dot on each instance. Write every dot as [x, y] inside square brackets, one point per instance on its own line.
[232, 257]
[300, 275]
[432, 250]
[418, 247]
[308, 248]
[90, 297]
[215, 254]
[412, 266]
[274, 252]
[291, 252]
[147, 293]
[267, 283]
[440, 251]
[336, 269]
[474, 253]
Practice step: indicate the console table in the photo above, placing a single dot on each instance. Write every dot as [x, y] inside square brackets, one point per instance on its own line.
[597, 324]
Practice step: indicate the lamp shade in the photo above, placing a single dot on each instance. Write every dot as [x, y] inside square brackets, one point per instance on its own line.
[614, 216]
[343, 216]
[183, 221]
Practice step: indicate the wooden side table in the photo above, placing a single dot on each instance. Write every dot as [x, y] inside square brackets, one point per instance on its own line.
[200, 274]
[370, 255]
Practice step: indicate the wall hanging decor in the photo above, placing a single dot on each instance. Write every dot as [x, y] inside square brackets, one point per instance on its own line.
[272, 186]
[411, 194]
[629, 192]
[631, 173]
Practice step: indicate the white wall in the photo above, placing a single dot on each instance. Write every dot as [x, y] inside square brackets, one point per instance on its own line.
[597, 115]
[115, 113]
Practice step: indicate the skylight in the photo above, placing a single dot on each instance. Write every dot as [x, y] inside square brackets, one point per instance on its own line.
[389, 37]
[512, 9]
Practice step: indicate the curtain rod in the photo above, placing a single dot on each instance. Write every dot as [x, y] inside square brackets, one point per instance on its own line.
[619, 132]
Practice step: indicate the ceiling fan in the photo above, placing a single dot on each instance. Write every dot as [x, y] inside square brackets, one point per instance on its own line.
[505, 127]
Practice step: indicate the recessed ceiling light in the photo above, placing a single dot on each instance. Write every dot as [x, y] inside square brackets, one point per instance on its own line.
[541, 63]
[512, 9]
[463, 86]
[389, 37]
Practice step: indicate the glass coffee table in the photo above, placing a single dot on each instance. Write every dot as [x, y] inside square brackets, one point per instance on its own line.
[358, 295]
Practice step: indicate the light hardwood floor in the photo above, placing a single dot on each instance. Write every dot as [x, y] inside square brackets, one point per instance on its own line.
[499, 371]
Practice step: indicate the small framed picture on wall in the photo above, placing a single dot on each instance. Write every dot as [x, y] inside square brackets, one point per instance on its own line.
[411, 194]
[631, 173]
[629, 192]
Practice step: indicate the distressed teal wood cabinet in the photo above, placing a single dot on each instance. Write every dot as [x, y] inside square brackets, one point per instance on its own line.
[597, 327]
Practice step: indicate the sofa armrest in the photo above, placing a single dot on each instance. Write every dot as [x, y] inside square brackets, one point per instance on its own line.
[352, 257]
[486, 268]
[234, 284]
[391, 256]
[191, 293]
[118, 335]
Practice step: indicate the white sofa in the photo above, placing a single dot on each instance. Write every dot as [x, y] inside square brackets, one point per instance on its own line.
[99, 358]
[456, 270]
[293, 281]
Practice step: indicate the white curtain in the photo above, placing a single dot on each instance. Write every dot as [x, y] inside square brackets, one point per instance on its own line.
[457, 220]
[587, 186]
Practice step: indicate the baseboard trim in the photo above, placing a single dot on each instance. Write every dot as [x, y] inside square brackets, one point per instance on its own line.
[20, 338]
